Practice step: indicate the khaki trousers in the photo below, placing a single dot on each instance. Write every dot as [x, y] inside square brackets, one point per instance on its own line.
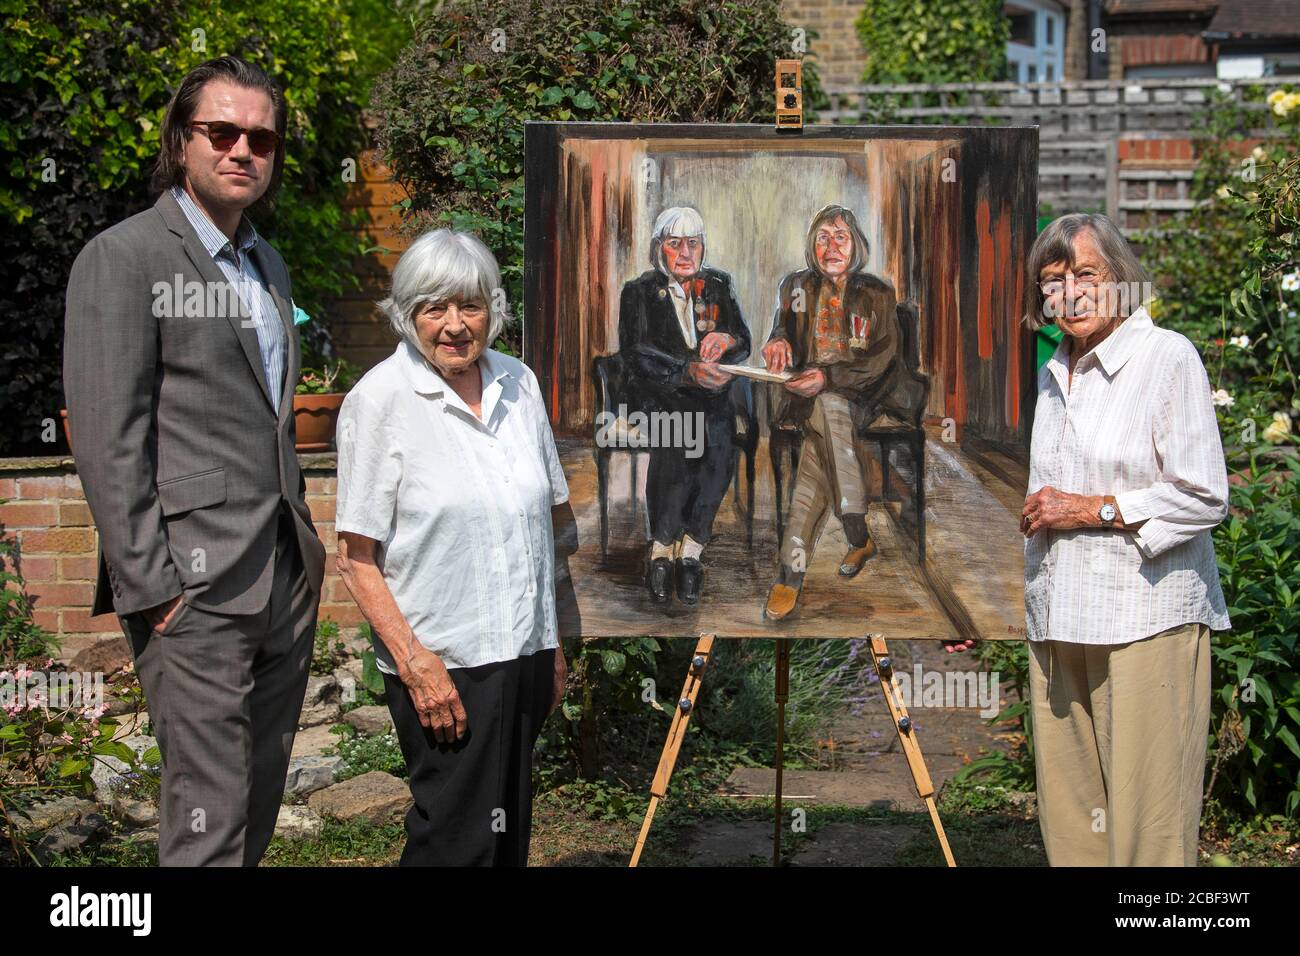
[1119, 747]
[830, 478]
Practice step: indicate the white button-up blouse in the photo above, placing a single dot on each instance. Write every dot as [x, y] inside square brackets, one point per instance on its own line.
[461, 507]
[1137, 423]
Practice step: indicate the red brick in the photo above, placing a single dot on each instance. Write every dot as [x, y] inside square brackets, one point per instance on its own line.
[57, 541]
[39, 569]
[8, 488]
[79, 621]
[38, 488]
[79, 569]
[336, 590]
[29, 515]
[75, 514]
[328, 538]
[77, 594]
[46, 618]
[340, 613]
[320, 485]
[322, 507]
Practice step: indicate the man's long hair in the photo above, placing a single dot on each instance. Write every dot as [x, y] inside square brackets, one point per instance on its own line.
[170, 168]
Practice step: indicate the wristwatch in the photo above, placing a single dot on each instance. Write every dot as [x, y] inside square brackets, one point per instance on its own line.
[1108, 512]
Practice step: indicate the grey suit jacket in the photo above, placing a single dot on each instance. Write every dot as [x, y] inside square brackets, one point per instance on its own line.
[183, 460]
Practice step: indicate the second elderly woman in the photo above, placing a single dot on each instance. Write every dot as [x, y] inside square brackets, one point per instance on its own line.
[447, 474]
[1126, 481]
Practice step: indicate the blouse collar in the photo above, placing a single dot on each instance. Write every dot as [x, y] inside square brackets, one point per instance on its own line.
[1114, 351]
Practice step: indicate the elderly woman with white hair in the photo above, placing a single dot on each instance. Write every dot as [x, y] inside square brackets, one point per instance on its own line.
[678, 322]
[1126, 482]
[447, 477]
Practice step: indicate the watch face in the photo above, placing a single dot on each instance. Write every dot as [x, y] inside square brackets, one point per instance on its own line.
[1107, 512]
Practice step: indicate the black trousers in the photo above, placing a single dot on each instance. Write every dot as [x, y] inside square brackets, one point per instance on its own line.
[474, 798]
[683, 494]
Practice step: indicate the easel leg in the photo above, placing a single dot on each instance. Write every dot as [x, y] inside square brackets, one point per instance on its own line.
[676, 734]
[782, 695]
[907, 738]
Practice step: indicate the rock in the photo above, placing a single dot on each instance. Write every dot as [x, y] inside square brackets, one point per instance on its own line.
[147, 835]
[353, 668]
[356, 643]
[71, 836]
[348, 676]
[116, 706]
[297, 823]
[108, 772]
[138, 813]
[106, 656]
[371, 721]
[1024, 801]
[131, 724]
[313, 741]
[322, 704]
[70, 645]
[376, 797]
[309, 774]
[52, 813]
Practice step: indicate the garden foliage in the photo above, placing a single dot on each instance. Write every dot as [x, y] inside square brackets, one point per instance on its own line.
[86, 83]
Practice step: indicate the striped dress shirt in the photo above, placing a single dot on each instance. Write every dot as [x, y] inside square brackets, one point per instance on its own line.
[1137, 423]
[237, 265]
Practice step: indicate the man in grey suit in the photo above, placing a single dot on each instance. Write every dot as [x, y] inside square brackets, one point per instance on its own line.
[180, 360]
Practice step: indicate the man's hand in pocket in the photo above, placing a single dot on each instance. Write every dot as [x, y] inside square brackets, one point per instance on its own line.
[159, 617]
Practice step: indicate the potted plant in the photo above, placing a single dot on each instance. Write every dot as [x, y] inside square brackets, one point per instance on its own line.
[316, 402]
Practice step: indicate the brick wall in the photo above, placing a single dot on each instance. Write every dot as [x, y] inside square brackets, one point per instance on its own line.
[837, 51]
[361, 334]
[46, 513]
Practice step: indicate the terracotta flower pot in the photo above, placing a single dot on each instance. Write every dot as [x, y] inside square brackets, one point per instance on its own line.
[314, 420]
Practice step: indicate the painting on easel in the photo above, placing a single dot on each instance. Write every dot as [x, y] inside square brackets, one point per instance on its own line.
[787, 374]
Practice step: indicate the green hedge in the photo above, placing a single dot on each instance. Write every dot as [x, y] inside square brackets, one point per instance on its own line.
[1223, 283]
[910, 41]
[86, 83]
[452, 109]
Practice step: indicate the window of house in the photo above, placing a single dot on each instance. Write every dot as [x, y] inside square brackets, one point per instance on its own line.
[1022, 27]
[1051, 32]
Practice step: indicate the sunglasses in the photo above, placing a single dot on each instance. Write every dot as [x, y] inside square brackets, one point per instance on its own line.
[224, 136]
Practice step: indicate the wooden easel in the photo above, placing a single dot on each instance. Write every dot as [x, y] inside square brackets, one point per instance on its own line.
[686, 706]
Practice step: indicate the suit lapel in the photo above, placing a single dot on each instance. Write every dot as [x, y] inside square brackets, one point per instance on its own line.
[207, 268]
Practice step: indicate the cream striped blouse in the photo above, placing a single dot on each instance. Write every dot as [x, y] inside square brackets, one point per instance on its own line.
[1136, 423]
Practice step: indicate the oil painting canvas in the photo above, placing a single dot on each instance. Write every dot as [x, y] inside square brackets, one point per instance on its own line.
[787, 374]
